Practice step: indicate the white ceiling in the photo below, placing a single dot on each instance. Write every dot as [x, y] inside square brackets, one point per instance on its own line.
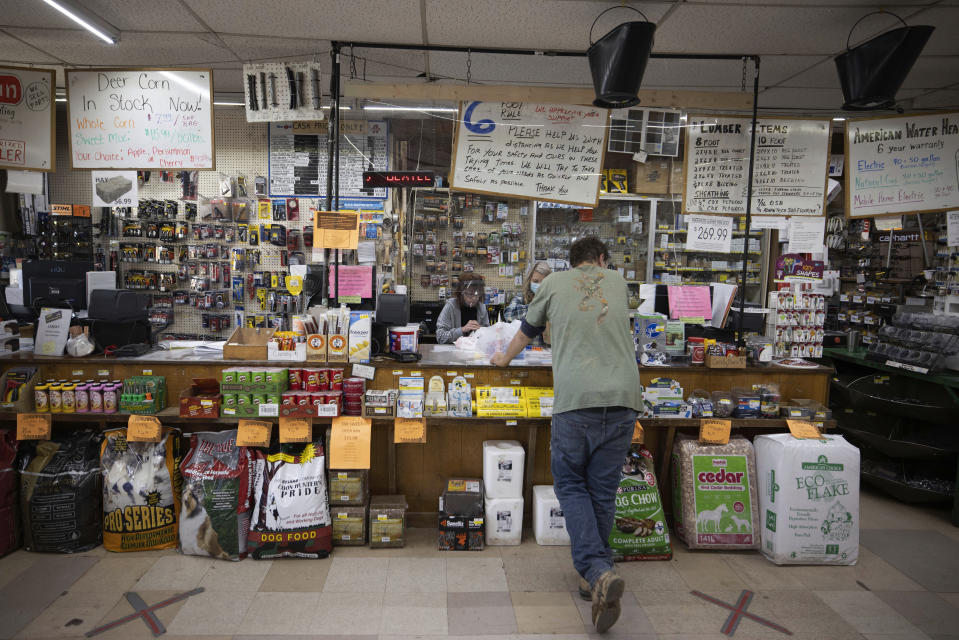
[797, 40]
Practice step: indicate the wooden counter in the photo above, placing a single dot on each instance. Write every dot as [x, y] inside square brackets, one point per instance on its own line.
[454, 446]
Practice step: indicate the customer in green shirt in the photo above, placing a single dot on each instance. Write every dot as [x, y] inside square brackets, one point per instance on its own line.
[597, 399]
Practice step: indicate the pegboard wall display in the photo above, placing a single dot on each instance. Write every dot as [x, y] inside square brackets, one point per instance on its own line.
[282, 91]
[453, 233]
[209, 248]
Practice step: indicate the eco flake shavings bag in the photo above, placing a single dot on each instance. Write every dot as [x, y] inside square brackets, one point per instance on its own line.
[639, 530]
[291, 514]
[217, 480]
[141, 491]
[809, 495]
[715, 505]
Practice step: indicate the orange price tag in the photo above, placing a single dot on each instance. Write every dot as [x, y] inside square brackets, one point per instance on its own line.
[639, 434]
[33, 426]
[253, 433]
[803, 430]
[409, 430]
[296, 430]
[713, 431]
[144, 429]
[350, 443]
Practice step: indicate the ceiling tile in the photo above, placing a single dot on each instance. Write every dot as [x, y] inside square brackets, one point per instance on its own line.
[927, 73]
[938, 100]
[261, 48]
[144, 15]
[508, 69]
[360, 20]
[32, 13]
[78, 48]
[15, 52]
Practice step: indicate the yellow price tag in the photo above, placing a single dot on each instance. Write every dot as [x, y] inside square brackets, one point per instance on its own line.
[350, 443]
[144, 429]
[253, 433]
[712, 431]
[33, 426]
[639, 434]
[803, 430]
[409, 430]
[296, 430]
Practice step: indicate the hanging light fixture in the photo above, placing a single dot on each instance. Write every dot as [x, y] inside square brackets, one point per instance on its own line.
[872, 72]
[618, 60]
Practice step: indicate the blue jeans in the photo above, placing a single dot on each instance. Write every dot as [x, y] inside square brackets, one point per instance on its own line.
[589, 447]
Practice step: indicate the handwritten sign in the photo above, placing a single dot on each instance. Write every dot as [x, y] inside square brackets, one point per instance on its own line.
[712, 431]
[689, 301]
[296, 430]
[27, 119]
[905, 164]
[409, 430]
[548, 152]
[803, 430]
[336, 230]
[298, 158]
[253, 433]
[33, 426]
[350, 443]
[140, 118]
[354, 281]
[639, 434]
[789, 176]
[709, 233]
[144, 429]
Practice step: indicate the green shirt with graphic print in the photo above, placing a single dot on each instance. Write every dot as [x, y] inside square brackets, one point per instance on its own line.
[594, 359]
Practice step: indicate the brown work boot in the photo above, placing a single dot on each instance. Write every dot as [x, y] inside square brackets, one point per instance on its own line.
[606, 592]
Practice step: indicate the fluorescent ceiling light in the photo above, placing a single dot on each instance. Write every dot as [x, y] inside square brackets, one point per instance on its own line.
[86, 20]
[228, 104]
[838, 119]
[437, 109]
[61, 99]
[342, 107]
[186, 84]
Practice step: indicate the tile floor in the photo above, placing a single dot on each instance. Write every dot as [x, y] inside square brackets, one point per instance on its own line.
[906, 585]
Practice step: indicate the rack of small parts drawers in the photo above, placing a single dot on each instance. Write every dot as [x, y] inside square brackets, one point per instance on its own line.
[865, 311]
[797, 321]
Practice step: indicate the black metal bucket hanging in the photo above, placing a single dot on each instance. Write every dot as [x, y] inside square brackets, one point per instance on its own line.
[618, 61]
[871, 73]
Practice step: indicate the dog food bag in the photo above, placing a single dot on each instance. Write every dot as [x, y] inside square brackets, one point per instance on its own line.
[715, 505]
[9, 503]
[291, 513]
[216, 500]
[141, 491]
[809, 499]
[639, 530]
[60, 493]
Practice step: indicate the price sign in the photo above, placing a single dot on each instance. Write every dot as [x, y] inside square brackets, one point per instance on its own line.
[144, 429]
[952, 228]
[350, 443]
[803, 430]
[253, 433]
[326, 410]
[709, 233]
[269, 410]
[33, 426]
[296, 430]
[364, 371]
[639, 435]
[712, 431]
[409, 430]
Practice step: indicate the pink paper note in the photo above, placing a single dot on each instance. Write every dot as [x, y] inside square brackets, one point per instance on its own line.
[689, 301]
[354, 281]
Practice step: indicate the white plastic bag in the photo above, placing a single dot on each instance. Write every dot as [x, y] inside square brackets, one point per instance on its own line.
[495, 338]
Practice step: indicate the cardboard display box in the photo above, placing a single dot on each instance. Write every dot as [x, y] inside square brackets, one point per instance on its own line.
[202, 399]
[650, 177]
[247, 344]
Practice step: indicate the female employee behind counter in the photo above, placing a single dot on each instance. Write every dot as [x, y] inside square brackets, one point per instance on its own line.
[463, 313]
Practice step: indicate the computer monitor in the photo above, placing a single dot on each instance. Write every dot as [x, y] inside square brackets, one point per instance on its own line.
[393, 309]
[58, 281]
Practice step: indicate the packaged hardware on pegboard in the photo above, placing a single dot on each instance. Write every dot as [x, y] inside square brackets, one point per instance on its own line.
[282, 91]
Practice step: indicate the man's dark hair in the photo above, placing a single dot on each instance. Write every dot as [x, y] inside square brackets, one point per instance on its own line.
[588, 249]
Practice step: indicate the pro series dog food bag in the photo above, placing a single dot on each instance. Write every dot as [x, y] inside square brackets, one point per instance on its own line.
[715, 505]
[141, 491]
[639, 530]
[60, 493]
[809, 495]
[291, 511]
[216, 500]
[9, 504]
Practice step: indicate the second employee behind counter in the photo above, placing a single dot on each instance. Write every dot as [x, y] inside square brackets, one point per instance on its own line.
[464, 313]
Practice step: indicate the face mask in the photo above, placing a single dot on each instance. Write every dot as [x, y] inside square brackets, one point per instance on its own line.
[534, 286]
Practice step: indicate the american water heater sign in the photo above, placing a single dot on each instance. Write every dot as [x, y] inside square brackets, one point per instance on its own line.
[26, 119]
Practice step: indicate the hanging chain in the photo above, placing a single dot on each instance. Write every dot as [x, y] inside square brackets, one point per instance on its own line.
[352, 64]
[469, 66]
[744, 75]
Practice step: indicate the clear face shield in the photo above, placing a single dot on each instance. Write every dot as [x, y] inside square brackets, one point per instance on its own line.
[472, 294]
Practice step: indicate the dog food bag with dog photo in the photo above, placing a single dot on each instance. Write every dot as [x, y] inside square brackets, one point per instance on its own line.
[9, 503]
[291, 512]
[216, 499]
[60, 493]
[809, 499]
[141, 491]
[639, 530]
[715, 503]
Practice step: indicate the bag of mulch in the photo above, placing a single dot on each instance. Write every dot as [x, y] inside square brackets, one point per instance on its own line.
[639, 529]
[60, 493]
[9, 503]
[215, 504]
[141, 491]
[291, 511]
